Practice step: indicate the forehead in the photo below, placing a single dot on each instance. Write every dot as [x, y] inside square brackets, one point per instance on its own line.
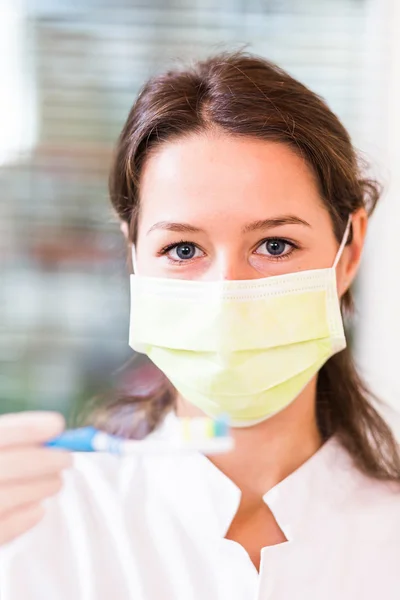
[212, 174]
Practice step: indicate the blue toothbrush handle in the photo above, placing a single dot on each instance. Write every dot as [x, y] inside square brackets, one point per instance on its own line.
[76, 440]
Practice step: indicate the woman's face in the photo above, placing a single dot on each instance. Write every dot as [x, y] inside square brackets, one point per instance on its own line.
[219, 207]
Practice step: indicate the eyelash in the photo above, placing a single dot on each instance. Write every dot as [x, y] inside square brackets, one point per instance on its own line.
[170, 247]
[164, 251]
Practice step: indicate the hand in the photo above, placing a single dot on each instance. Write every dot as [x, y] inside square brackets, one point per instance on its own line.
[29, 472]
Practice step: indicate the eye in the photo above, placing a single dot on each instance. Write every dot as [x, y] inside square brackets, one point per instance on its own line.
[182, 251]
[276, 247]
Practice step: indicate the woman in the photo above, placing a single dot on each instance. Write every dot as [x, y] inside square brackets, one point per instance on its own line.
[240, 195]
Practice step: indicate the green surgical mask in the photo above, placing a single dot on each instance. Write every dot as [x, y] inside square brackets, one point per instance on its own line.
[241, 348]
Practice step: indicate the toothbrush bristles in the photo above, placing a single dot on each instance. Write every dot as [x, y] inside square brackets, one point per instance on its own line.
[200, 428]
[221, 426]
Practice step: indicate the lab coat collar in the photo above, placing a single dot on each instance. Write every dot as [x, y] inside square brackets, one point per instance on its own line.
[318, 484]
[206, 499]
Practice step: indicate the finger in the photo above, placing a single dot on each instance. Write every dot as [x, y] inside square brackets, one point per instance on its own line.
[20, 521]
[29, 463]
[17, 429]
[14, 496]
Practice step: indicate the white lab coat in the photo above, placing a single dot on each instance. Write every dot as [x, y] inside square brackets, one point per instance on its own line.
[153, 529]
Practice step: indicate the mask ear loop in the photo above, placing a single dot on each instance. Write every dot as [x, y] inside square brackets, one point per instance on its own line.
[342, 243]
[134, 262]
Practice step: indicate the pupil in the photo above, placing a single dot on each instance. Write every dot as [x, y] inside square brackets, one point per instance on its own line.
[185, 251]
[275, 247]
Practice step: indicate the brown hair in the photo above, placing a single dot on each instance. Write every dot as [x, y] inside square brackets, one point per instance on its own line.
[244, 95]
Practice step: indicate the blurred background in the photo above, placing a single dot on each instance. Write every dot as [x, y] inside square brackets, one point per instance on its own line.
[69, 72]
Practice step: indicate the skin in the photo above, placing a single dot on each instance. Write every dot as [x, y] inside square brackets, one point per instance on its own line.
[29, 474]
[218, 191]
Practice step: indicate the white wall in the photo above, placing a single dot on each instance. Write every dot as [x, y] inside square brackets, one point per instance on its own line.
[17, 97]
[378, 315]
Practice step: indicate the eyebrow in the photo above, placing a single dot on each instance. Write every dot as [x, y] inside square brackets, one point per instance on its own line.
[254, 226]
[178, 227]
[275, 222]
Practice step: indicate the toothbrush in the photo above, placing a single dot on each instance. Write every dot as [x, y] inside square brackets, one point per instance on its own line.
[199, 434]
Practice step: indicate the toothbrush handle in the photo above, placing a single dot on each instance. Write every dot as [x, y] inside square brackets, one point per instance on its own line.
[76, 440]
[90, 439]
